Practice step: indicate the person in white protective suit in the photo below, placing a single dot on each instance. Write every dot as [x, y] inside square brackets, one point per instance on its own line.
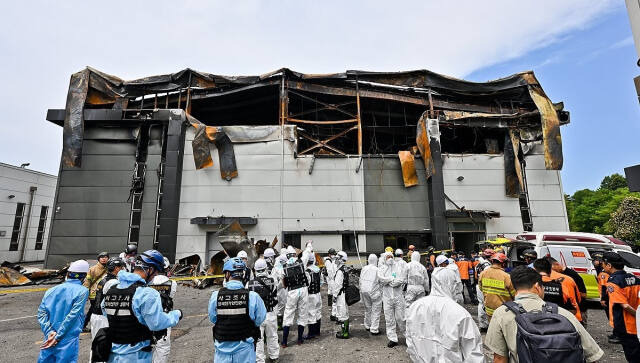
[448, 277]
[417, 279]
[314, 300]
[341, 282]
[458, 297]
[278, 274]
[330, 266]
[371, 295]
[167, 290]
[270, 258]
[266, 286]
[483, 264]
[296, 281]
[393, 277]
[438, 330]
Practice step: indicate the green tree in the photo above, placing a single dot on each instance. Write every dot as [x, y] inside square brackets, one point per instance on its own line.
[613, 182]
[625, 221]
[590, 210]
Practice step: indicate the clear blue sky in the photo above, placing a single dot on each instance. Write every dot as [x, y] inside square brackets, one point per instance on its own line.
[592, 71]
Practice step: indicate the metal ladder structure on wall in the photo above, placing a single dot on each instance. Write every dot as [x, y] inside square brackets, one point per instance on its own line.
[523, 198]
[136, 196]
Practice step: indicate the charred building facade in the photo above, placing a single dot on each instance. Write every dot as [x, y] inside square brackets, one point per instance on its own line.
[354, 161]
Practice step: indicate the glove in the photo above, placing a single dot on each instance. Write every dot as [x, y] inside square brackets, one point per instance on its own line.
[181, 314]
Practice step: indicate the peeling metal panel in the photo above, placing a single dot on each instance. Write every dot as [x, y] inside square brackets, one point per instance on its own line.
[550, 124]
[73, 119]
[512, 183]
[515, 142]
[422, 140]
[407, 162]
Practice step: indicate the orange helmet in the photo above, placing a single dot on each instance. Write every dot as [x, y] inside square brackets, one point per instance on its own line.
[488, 252]
[412, 247]
[500, 257]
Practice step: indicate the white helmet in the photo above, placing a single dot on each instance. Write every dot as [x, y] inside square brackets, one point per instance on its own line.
[399, 252]
[242, 254]
[260, 265]
[269, 252]
[312, 257]
[291, 250]
[80, 266]
[343, 256]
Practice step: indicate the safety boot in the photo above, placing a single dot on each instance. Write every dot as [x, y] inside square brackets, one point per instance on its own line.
[285, 336]
[280, 318]
[344, 333]
[300, 334]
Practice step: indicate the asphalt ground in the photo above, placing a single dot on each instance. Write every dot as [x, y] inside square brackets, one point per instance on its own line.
[20, 334]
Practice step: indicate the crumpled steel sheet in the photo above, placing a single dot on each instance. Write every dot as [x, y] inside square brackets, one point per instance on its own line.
[409, 174]
[551, 137]
[11, 277]
[422, 140]
[511, 167]
[205, 135]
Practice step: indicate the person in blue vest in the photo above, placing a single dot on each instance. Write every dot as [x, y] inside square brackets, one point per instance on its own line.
[237, 314]
[61, 316]
[135, 310]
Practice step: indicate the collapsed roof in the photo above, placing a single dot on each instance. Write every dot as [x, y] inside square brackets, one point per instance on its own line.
[384, 108]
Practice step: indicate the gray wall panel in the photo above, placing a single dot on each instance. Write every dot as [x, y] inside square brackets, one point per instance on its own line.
[86, 245]
[100, 147]
[91, 194]
[388, 204]
[101, 211]
[90, 228]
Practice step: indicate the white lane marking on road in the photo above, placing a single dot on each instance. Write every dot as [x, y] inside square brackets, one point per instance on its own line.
[22, 317]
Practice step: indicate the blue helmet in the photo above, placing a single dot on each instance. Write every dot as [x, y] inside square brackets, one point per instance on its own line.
[235, 266]
[151, 258]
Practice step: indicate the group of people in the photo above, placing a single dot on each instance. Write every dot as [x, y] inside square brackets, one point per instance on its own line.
[130, 314]
[131, 309]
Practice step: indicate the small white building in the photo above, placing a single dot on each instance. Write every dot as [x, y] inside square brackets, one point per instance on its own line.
[26, 201]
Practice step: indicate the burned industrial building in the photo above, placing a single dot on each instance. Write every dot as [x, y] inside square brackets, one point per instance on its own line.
[354, 161]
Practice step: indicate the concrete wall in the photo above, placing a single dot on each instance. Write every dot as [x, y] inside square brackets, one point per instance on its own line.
[17, 181]
[277, 190]
[483, 188]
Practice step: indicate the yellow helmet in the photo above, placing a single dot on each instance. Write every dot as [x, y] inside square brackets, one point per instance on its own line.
[388, 249]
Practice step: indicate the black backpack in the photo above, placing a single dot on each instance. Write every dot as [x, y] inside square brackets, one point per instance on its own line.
[545, 336]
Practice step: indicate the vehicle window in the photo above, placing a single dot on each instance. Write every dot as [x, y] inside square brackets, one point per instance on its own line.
[630, 259]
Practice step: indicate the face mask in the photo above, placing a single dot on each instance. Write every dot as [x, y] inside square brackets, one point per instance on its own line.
[389, 261]
[291, 260]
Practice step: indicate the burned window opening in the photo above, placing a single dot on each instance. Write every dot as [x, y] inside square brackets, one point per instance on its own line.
[472, 140]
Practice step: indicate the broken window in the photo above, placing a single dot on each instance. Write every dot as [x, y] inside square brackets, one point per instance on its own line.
[293, 239]
[349, 242]
[17, 226]
[41, 226]
[404, 240]
[471, 140]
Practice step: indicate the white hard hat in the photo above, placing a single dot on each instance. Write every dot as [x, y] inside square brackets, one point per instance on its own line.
[291, 250]
[399, 252]
[441, 259]
[269, 252]
[80, 266]
[312, 257]
[343, 255]
[242, 254]
[260, 265]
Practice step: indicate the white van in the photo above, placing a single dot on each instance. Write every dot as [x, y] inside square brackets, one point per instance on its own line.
[588, 240]
[569, 248]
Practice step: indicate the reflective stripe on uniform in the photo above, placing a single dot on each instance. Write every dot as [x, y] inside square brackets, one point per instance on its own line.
[238, 311]
[487, 282]
[123, 312]
[500, 292]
